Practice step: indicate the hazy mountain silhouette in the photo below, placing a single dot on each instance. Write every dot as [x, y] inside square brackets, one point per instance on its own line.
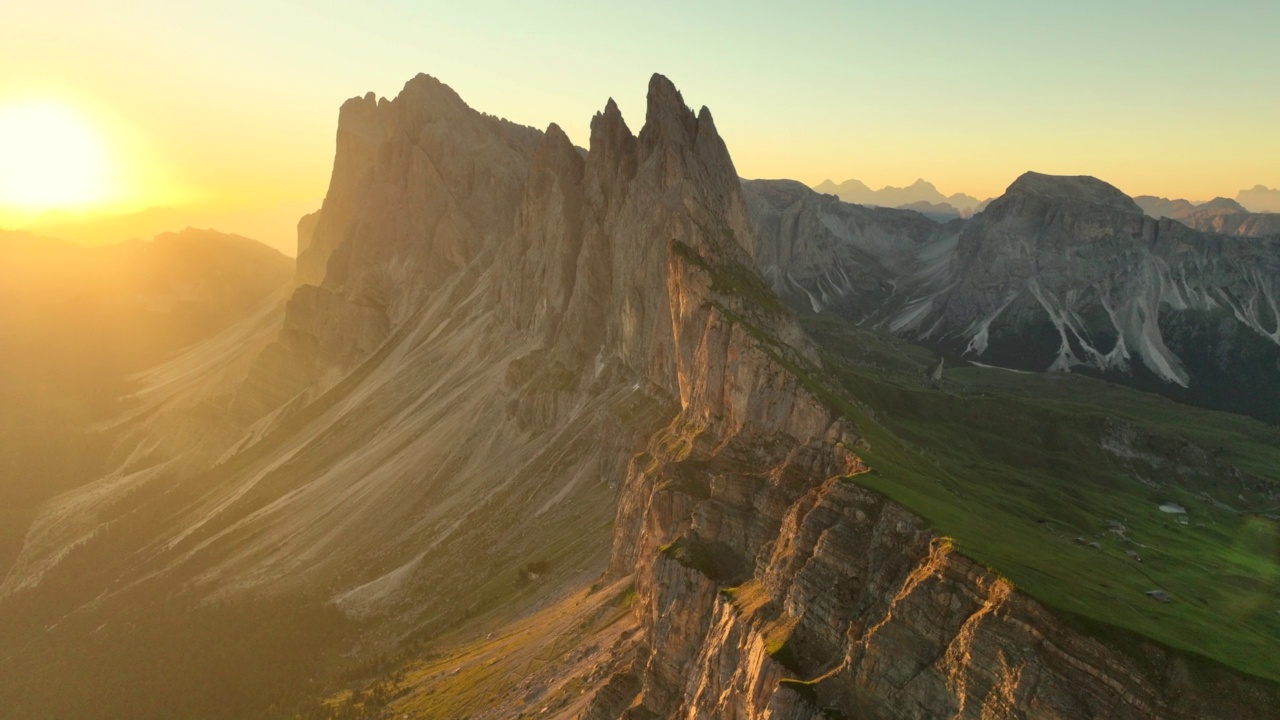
[921, 191]
[1260, 199]
[273, 226]
[1220, 215]
[76, 322]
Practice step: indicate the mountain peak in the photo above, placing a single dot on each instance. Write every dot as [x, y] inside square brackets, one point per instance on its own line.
[556, 132]
[1260, 199]
[1222, 205]
[667, 118]
[428, 84]
[1082, 188]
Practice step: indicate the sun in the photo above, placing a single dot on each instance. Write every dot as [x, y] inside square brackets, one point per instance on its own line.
[51, 157]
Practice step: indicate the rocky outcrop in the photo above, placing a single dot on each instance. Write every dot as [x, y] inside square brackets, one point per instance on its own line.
[842, 604]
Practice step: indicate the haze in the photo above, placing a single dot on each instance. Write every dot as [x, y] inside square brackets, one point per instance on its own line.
[228, 107]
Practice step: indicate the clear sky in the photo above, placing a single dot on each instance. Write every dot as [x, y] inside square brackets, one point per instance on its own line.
[234, 103]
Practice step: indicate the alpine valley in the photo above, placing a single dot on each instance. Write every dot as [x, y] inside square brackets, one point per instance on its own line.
[535, 430]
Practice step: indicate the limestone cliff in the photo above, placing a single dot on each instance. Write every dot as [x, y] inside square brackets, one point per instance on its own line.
[779, 595]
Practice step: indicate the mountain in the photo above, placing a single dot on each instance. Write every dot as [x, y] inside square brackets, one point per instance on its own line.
[1064, 273]
[1260, 199]
[532, 433]
[822, 252]
[273, 226]
[76, 323]
[1220, 215]
[921, 191]
[494, 325]
[1158, 207]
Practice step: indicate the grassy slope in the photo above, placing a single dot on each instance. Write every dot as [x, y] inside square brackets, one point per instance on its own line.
[1012, 467]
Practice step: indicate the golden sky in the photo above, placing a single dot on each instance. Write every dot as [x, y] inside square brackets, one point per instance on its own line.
[231, 106]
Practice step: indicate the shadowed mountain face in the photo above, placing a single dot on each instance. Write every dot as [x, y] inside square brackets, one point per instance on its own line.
[1066, 273]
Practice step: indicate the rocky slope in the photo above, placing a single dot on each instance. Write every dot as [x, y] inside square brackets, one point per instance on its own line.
[824, 253]
[486, 324]
[767, 585]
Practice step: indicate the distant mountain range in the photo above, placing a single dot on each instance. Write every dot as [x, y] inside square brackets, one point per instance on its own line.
[275, 226]
[921, 196]
[1220, 215]
[925, 198]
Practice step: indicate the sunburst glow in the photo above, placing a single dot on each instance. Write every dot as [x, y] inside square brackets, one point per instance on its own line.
[51, 157]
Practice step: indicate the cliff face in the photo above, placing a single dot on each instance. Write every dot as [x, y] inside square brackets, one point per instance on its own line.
[781, 597]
